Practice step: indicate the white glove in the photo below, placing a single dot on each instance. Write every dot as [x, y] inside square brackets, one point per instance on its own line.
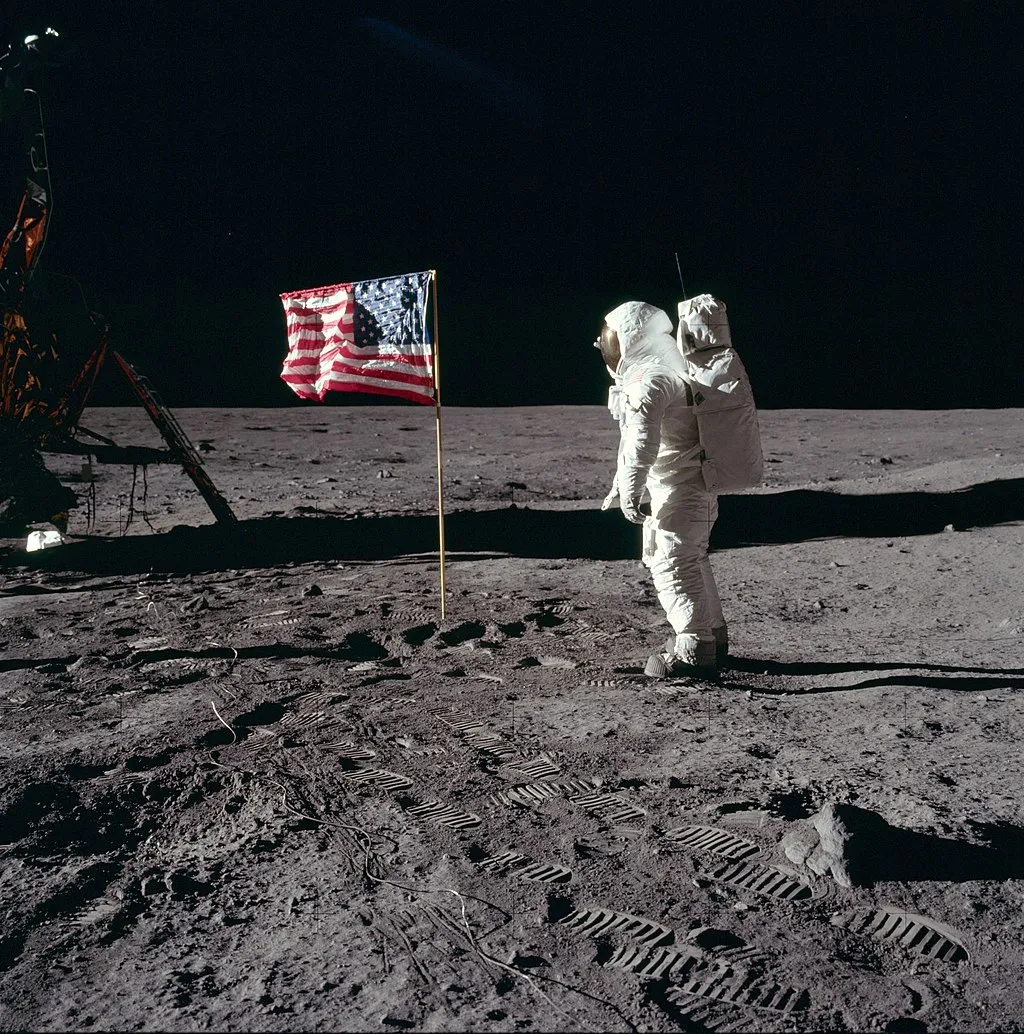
[631, 510]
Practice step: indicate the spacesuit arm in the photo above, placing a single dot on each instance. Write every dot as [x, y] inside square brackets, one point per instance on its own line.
[644, 405]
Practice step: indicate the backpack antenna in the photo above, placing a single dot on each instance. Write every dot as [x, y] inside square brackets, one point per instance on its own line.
[679, 270]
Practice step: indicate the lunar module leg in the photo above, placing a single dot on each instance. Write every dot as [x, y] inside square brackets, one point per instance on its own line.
[177, 441]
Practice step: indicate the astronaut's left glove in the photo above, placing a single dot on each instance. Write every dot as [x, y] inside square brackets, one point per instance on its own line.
[631, 510]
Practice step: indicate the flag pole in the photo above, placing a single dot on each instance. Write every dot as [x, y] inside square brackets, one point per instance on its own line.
[437, 421]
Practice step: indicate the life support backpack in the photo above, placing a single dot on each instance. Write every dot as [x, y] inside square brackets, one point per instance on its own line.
[730, 438]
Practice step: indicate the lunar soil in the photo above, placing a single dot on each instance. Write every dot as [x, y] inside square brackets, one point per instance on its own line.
[253, 780]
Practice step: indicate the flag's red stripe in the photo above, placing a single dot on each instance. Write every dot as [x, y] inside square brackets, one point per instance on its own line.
[387, 375]
[345, 310]
[323, 317]
[413, 396]
[331, 344]
[319, 292]
[308, 391]
[302, 389]
[317, 327]
[312, 377]
[328, 353]
[323, 360]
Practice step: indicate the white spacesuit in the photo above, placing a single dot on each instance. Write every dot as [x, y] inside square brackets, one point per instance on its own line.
[660, 452]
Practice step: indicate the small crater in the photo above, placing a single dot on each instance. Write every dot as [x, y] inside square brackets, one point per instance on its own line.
[732, 807]
[358, 646]
[759, 750]
[462, 633]
[791, 804]
[39, 802]
[513, 630]
[559, 906]
[419, 634]
[181, 884]
[545, 619]
[141, 763]
[712, 939]
[528, 961]
[85, 771]
[263, 714]
[504, 985]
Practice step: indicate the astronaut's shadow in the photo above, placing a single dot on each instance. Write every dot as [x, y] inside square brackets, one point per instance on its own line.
[804, 514]
[522, 531]
[958, 678]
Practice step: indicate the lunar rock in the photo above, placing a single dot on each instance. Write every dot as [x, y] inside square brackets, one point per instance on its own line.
[840, 841]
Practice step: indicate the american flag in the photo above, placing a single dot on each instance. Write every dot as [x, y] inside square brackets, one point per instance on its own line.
[369, 335]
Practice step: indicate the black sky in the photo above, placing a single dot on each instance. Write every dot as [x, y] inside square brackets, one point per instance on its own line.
[845, 175]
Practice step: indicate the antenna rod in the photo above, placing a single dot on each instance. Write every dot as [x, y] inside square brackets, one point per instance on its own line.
[681, 284]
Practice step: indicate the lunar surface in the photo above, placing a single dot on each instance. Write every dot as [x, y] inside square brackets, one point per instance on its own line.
[254, 780]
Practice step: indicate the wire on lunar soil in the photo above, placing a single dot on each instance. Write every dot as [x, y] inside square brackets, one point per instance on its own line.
[428, 978]
[367, 840]
[231, 667]
[151, 604]
[519, 973]
[442, 920]
[234, 735]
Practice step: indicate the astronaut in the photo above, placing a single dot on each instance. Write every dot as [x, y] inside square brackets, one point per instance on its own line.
[660, 456]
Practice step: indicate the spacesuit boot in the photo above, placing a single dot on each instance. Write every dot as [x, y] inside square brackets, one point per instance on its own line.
[685, 654]
[721, 634]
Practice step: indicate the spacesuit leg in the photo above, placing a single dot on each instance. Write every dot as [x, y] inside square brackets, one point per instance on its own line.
[682, 526]
[719, 628]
